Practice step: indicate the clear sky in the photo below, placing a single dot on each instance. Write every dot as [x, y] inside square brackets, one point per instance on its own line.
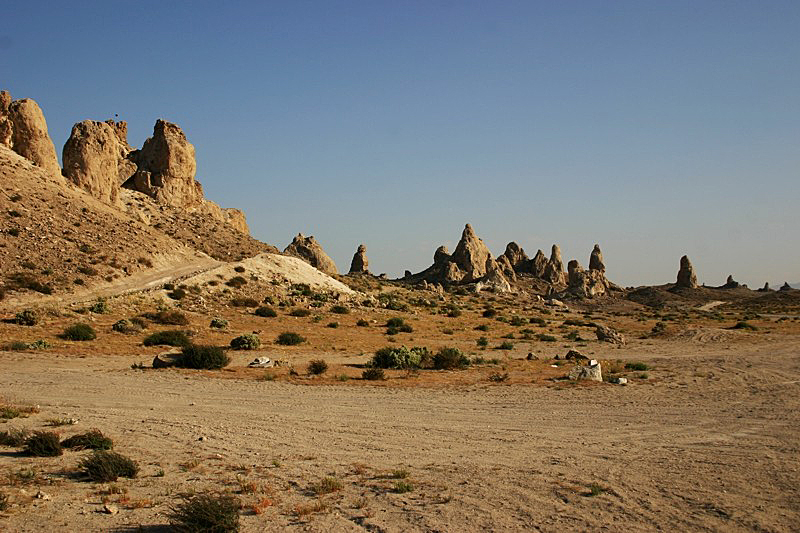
[655, 129]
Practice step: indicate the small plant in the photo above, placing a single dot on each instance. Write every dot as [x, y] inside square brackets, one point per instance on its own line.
[14, 437]
[402, 357]
[482, 342]
[518, 321]
[244, 302]
[299, 312]
[203, 357]
[289, 338]
[218, 323]
[104, 466]
[170, 317]
[546, 338]
[236, 282]
[126, 326]
[43, 444]
[79, 332]
[636, 365]
[539, 321]
[398, 474]
[239, 269]
[497, 377]
[4, 505]
[449, 359]
[362, 323]
[100, 307]
[28, 317]
[506, 345]
[248, 341]
[58, 422]
[401, 487]
[333, 325]
[482, 327]
[317, 367]
[177, 294]
[167, 338]
[266, 311]
[595, 490]
[489, 313]
[373, 374]
[395, 322]
[91, 440]
[327, 485]
[340, 310]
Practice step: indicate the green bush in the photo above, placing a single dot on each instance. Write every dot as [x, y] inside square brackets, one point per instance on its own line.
[167, 338]
[340, 310]
[177, 294]
[43, 444]
[79, 332]
[373, 374]
[489, 313]
[170, 317]
[506, 345]
[317, 367]
[538, 321]
[100, 307]
[395, 322]
[206, 513]
[104, 466]
[288, 338]
[333, 325]
[28, 317]
[483, 342]
[91, 440]
[449, 358]
[248, 341]
[236, 282]
[244, 302]
[299, 312]
[546, 338]
[266, 312]
[482, 327]
[362, 323]
[399, 357]
[203, 357]
[636, 365]
[218, 323]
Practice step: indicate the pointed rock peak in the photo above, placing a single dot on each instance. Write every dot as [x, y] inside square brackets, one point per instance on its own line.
[786, 286]
[360, 263]
[555, 254]
[468, 232]
[23, 129]
[686, 276]
[441, 255]
[596, 259]
[309, 250]
[471, 255]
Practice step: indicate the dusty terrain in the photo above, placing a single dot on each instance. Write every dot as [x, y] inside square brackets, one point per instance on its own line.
[705, 440]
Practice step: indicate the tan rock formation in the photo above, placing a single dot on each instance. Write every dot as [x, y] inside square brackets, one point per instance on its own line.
[585, 283]
[686, 276]
[360, 263]
[505, 265]
[441, 256]
[515, 255]
[471, 255]
[95, 158]
[538, 264]
[24, 130]
[596, 259]
[310, 251]
[554, 270]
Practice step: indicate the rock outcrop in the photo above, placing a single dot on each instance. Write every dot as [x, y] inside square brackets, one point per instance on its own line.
[554, 270]
[585, 283]
[24, 130]
[590, 372]
[166, 168]
[686, 276]
[538, 264]
[95, 158]
[471, 255]
[516, 257]
[596, 259]
[494, 280]
[607, 334]
[785, 286]
[310, 251]
[360, 263]
[730, 283]
[765, 288]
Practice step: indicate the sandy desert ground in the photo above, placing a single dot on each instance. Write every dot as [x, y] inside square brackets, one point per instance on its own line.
[708, 443]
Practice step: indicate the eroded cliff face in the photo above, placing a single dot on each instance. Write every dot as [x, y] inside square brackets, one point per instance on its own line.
[24, 130]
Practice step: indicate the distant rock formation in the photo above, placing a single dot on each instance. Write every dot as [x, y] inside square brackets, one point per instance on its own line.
[515, 256]
[471, 255]
[24, 130]
[585, 283]
[596, 259]
[538, 264]
[554, 270]
[785, 286]
[494, 280]
[730, 283]
[360, 263]
[310, 251]
[765, 288]
[686, 276]
[95, 158]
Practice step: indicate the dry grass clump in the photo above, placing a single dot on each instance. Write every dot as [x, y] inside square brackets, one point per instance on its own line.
[169, 317]
[327, 485]
[79, 332]
[104, 466]
[317, 367]
[14, 437]
[91, 440]
[43, 444]
[206, 512]
[203, 357]
[289, 338]
[167, 338]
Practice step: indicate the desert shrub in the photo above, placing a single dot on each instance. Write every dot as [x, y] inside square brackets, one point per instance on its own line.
[236, 282]
[218, 323]
[169, 286]
[507, 336]
[28, 317]
[399, 357]
[14, 232]
[167, 338]
[401, 487]
[103, 466]
[518, 321]
[4, 505]
[453, 312]
[39, 344]
[573, 336]
[483, 342]
[203, 357]
[546, 338]
[43, 444]
[538, 321]
[289, 338]
[239, 269]
[91, 440]
[100, 307]
[327, 485]
[497, 377]
[26, 280]
[340, 310]
[333, 325]
[266, 312]
[489, 313]
[16, 346]
[744, 325]
[317, 367]
[373, 374]
[14, 437]
[206, 513]
[170, 317]
[248, 341]
[244, 302]
[506, 345]
[79, 332]
[177, 294]
[636, 365]
[395, 322]
[658, 328]
[449, 358]
[299, 312]
[482, 327]
[127, 326]
[362, 323]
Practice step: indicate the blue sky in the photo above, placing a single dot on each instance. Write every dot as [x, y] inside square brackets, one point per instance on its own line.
[655, 129]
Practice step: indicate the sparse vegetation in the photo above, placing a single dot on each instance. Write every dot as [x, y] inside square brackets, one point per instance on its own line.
[128, 326]
[167, 338]
[340, 310]
[100, 307]
[399, 357]
[401, 487]
[289, 338]
[362, 323]
[79, 332]
[43, 444]
[327, 485]
[203, 357]
[103, 466]
[217, 513]
[506, 345]
[91, 440]
[373, 374]
[170, 317]
[14, 437]
[744, 325]
[299, 312]
[635, 365]
[218, 323]
[450, 359]
[28, 317]
[317, 367]
[248, 341]
[266, 311]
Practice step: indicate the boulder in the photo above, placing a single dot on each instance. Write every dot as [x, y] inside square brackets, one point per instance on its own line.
[575, 355]
[607, 334]
[24, 130]
[686, 276]
[554, 270]
[471, 255]
[360, 263]
[167, 359]
[261, 362]
[309, 250]
[441, 256]
[596, 259]
[166, 167]
[589, 372]
[494, 280]
[95, 158]
[452, 273]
